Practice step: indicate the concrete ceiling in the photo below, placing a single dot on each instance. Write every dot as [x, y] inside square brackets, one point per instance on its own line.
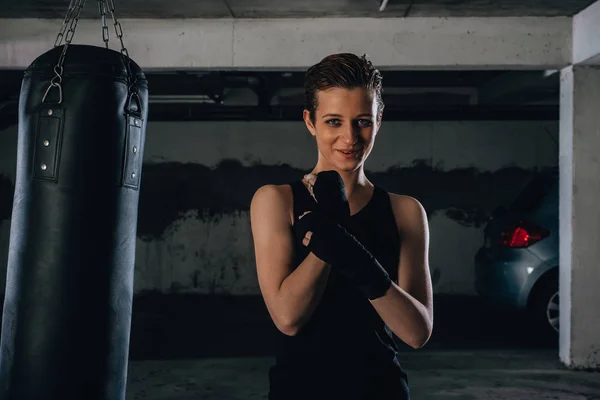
[298, 8]
[425, 90]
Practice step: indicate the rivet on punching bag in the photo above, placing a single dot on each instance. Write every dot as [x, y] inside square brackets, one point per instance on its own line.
[68, 300]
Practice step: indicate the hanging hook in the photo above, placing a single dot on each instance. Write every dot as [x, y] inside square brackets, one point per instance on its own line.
[52, 85]
[134, 104]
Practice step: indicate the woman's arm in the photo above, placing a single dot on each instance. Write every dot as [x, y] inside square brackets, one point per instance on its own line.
[291, 295]
[407, 307]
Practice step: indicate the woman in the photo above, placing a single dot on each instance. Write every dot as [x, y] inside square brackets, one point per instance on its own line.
[333, 284]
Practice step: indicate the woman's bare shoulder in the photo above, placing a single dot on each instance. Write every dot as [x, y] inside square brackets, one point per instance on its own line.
[271, 192]
[273, 199]
[407, 209]
[402, 200]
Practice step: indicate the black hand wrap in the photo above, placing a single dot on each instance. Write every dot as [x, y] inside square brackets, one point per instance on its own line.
[330, 192]
[332, 243]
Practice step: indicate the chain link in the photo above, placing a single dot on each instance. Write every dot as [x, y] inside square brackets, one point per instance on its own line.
[132, 80]
[119, 32]
[76, 6]
[105, 35]
[61, 33]
[70, 33]
[58, 68]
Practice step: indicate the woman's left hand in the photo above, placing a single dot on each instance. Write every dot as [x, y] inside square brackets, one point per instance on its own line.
[308, 234]
[332, 243]
[310, 180]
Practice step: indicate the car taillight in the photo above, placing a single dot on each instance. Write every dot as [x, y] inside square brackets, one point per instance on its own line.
[522, 235]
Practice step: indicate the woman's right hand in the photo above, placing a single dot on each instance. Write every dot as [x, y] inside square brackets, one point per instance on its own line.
[309, 181]
[301, 232]
[330, 193]
[334, 245]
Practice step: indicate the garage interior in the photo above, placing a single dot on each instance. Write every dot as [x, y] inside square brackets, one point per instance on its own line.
[482, 95]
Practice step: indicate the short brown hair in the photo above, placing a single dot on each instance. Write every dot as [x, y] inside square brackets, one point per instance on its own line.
[343, 70]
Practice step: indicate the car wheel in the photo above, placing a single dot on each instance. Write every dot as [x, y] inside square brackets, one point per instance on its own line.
[544, 309]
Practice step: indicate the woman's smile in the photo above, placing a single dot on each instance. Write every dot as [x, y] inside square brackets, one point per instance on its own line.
[349, 154]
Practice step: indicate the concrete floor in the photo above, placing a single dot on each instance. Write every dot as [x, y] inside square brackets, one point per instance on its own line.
[485, 351]
[434, 375]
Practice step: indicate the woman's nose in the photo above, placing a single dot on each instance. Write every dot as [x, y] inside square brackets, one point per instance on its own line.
[349, 135]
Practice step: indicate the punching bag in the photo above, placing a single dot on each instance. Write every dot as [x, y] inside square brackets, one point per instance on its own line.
[69, 289]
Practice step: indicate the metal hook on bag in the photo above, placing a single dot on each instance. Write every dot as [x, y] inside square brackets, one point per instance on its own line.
[52, 85]
[70, 21]
[55, 82]
[134, 104]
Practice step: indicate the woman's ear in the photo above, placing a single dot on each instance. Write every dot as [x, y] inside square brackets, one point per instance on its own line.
[379, 120]
[309, 124]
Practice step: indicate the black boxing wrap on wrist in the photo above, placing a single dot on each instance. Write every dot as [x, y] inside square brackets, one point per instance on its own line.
[333, 244]
[330, 193]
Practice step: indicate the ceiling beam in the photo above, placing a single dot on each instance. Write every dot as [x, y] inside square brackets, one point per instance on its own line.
[586, 36]
[295, 44]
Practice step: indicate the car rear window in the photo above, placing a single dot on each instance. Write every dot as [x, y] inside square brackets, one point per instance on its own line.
[534, 192]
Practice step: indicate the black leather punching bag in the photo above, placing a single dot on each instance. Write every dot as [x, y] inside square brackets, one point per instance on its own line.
[69, 289]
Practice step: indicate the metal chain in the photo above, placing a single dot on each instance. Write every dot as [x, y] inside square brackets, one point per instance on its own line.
[119, 31]
[65, 22]
[58, 68]
[77, 6]
[102, 8]
[131, 79]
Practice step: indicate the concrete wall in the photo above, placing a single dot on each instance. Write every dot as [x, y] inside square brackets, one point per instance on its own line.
[198, 180]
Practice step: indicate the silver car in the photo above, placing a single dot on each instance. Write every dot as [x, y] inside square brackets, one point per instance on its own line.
[518, 263]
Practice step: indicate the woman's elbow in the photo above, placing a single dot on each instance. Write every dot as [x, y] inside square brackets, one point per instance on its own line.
[288, 326]
[284, 317]
[418, 343]
[288, 330]
[420, 339]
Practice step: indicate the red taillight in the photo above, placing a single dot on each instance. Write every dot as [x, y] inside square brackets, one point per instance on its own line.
[523, 235]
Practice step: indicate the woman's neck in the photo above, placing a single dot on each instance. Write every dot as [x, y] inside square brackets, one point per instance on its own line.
[353, 180]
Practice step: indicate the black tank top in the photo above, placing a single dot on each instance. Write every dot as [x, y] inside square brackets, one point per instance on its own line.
[344, 351]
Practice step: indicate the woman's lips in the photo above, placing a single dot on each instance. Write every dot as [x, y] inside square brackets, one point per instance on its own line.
[348, 153]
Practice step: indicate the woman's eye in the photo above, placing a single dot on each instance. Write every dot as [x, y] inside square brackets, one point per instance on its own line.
[362, 123]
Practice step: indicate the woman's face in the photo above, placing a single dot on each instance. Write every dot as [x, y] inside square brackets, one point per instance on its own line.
[345, 126]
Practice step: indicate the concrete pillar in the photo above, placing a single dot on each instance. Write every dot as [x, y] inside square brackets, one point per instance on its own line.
[579, 160]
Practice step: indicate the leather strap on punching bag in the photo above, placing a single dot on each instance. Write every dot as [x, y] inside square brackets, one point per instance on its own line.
[67, 310]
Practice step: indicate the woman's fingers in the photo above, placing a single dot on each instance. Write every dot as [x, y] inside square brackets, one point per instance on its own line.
[305, 213]
[306, 240]
[310, 180]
